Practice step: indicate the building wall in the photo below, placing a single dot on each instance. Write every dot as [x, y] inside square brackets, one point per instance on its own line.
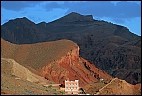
[71, 87]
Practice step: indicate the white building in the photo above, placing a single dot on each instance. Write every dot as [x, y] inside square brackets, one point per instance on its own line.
[72, 87]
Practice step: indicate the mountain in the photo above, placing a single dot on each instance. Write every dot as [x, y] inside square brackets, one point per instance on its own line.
[56, 61]
[112, 48]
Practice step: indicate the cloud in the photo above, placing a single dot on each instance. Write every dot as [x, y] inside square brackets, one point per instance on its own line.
[111, 9]
[106, 8]
[52, 5]
[18, 5]
[117, 10]
[35, 12]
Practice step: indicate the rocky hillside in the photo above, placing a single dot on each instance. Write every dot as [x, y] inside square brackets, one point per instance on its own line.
[10, 66]
[57, 61]
[114, 87]
[120, 87]
[18, 80]
[112, 48]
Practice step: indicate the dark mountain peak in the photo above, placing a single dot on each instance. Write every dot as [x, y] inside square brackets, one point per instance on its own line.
[74, 14]
[19, 21]
[25, 18]
[76, 17]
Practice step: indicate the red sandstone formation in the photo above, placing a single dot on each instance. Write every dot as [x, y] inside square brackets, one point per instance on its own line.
[56, 61]
[72, 67]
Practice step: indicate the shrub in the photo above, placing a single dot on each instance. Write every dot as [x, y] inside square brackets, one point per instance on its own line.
[49, 86]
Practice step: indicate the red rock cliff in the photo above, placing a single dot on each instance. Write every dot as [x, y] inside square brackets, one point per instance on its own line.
[72, 67]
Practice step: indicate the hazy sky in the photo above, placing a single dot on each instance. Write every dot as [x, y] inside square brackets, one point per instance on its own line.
[126, 13]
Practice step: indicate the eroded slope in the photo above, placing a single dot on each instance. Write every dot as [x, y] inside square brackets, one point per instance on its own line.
[56, 61]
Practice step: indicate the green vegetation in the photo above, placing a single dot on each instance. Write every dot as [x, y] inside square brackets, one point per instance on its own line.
[62, 92]
[49, 86]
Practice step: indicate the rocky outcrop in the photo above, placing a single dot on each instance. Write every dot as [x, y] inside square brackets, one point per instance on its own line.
[72, 67]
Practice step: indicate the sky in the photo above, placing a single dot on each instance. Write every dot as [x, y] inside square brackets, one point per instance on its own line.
[126, 13]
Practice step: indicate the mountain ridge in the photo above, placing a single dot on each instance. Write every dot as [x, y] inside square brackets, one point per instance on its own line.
[93, 38]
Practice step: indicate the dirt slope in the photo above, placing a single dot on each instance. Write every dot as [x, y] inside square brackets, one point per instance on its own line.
[18, 80]
[9, 66]
[120, 87]
[114, 87]
[36, 55]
